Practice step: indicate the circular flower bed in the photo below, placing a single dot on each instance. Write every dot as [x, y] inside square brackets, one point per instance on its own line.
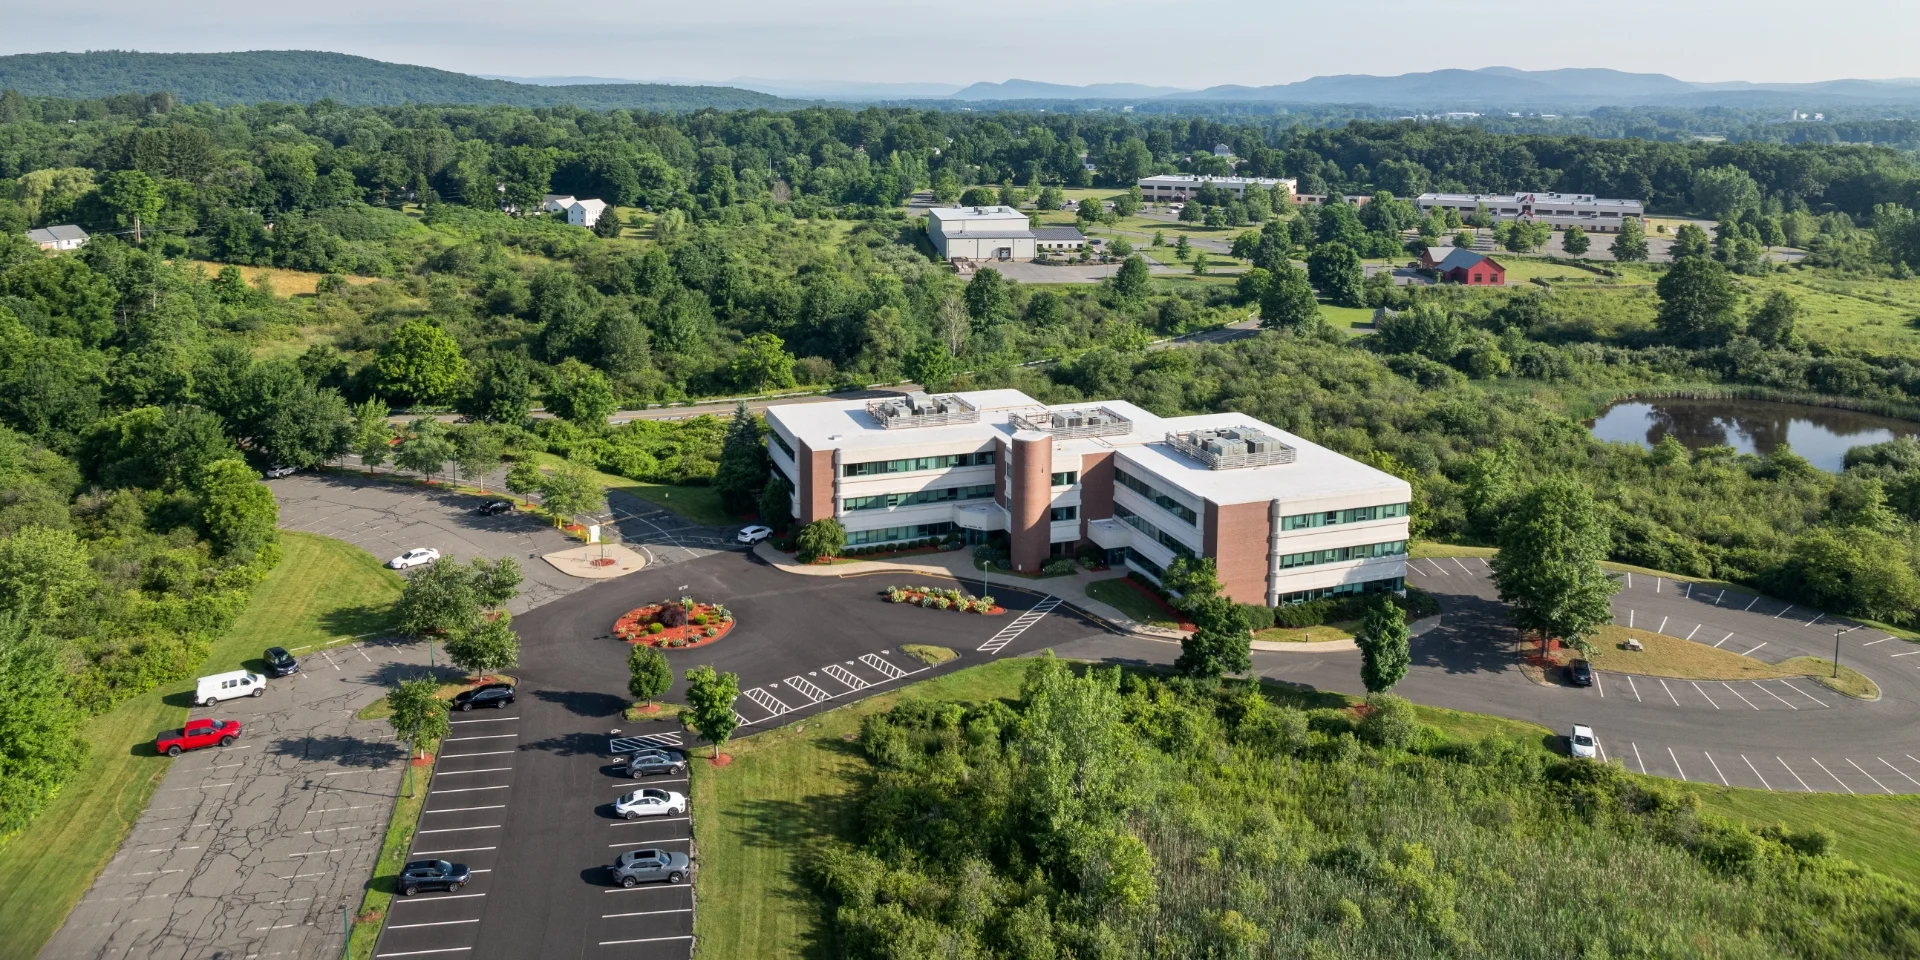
[674, 624]
[937, 599]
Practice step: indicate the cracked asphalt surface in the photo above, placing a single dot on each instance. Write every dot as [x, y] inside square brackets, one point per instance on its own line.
[254, 850]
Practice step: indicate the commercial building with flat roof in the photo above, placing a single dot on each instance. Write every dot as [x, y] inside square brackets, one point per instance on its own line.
[980, 233]
[1166, 188]
[1285, 520]
[1559, 210]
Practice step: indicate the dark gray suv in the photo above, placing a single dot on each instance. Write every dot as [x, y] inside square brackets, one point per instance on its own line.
[433, 875]
[646, 866]
[646, 763]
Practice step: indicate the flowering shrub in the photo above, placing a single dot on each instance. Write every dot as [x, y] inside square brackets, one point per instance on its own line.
[932, 598]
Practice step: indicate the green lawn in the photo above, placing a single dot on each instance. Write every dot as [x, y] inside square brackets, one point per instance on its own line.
[1116, 594]
[697, 504]
[323, 592]
[1880, 832]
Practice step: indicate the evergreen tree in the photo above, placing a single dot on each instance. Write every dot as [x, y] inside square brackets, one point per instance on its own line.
[742, 472]
[609, 224]
[1384, 646]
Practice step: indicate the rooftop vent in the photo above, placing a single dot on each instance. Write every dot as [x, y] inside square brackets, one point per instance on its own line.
[1072, 422]
[920, 409]
[1230, 448]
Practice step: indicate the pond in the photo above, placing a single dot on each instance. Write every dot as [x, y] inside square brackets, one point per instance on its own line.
[1820, 434]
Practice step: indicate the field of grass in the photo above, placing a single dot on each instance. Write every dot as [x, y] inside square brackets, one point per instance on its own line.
[1874, 314]
[1426, 549]
[1116, 594]
[698, 504]
[1338, 630]
[286, 283]
[323, 592]
[1879, 832]
[1354, 321]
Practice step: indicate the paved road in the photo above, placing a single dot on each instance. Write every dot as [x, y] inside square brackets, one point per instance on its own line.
[527, 793]
[254, 850]
[1774, 735]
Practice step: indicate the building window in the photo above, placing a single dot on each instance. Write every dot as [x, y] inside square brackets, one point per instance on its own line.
[1390, 585]
[782, 443]
[887, 501]
[1159, 499]
[1066, 479]
[1368, 551]
[1063, 514]
[917, 464]
[1330, 518]
[1159, 536]
[1140, 560]
[890, 534]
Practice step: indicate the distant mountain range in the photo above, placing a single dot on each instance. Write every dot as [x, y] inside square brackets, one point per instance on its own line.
[303, 76]
[300, 76]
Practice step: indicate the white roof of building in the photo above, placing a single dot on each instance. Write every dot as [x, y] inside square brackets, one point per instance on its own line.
[1580, 199]
[57, 233]
[1316, 471]
[961, 214]
[590, 204]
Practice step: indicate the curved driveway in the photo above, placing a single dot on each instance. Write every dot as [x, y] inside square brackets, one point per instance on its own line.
[1775, 735]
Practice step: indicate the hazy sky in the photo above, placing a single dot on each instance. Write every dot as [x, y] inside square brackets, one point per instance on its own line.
[1190, 43]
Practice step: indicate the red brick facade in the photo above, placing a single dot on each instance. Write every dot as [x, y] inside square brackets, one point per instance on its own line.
[1237, 537]
[1029, 512]
[1096, 490]
[816, 483]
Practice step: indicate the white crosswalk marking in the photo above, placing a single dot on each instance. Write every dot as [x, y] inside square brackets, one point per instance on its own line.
[888, 669]
[1019, 626]
[631, 744]
[844, 675]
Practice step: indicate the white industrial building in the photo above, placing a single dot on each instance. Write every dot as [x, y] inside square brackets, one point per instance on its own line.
[980, 233]
[1558, 210]
[1168, 188]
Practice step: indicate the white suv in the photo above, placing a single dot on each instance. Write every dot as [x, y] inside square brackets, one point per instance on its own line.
[753, 534]
[414, 558]
[1581, 743]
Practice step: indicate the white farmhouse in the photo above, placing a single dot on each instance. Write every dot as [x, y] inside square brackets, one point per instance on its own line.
[66, 236]
[555, 203]
[585, 213]
[980, 233]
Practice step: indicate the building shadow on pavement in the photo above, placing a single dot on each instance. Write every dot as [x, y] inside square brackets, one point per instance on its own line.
[1474, 636]
[585, 703]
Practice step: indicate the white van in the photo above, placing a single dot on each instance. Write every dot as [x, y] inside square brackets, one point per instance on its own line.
[226, 686]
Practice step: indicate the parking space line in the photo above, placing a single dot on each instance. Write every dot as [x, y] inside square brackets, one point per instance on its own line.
[1728, 687]
[431, 853]
[497, 806]
[1796, 776]
[1756, 773]
[489, 753]
[1803, 693]
[642, 823]
[450, 896]
[613, 943]
[490, 736]
[1716, 769]
[1669, 690]
[1816, 619]
[314, 853]
[1724, 639]
[1870, 643]
[1676, 764]
[1869, 776]
[1635, 688]
[645, 913]
[1696, 629]
[1462, 566]
[1703, 693]
[494, 826]
[629, 843]
[1435, 564]
[1750, 652]
[1636, 756]
[1689, 593]
[416, 953]
[1629, 618]
[1899, 771]
[451, 773]
[1656, 584]
[1663, 625]
[1907, 654]
[1776, 696]
[1597, 745]
[1722, 596]
[1783, 612]
[642, 889]
[1822, 766]
[468, 789]
[1598, 686]
[436, 923]
[1750, 604]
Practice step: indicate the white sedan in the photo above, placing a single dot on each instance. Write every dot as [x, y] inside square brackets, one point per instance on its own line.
[414, 558]
[754, 534]
[277, 471]
[1582, 743]
[650, 802]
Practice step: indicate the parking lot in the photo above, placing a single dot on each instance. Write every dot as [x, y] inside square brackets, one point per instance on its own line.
[526, 793]
[255, 850]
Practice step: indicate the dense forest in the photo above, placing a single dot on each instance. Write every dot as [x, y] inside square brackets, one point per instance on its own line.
[143, 378]
[305, 76]
[1082, 822]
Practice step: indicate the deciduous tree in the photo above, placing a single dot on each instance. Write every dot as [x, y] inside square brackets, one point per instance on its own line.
[1548, 569]
[420, 363]
[1696, 303]
[1384, 650]
[649, 675]
[710, 697]
[490, 647]
[1630, 245]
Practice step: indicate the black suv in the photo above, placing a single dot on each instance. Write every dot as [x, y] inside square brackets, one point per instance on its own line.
[644, 866]
[280, 663]
[433, 875]
[490, 695]
[648, 762]
[1581, 673]
[493, 508]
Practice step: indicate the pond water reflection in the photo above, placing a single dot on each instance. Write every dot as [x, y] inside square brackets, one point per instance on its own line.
[1820, 434]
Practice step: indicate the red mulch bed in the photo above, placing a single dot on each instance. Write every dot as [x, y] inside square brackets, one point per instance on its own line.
[1176, 616]
[632, 627]
[721, 760]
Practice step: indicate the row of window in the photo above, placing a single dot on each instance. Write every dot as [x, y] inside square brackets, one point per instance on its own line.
[1063, 514]
[1066, 478]
[1328, 518]
[887, 501]
[1390, 585]
[917, 464]
[918, 531]
[782, 443]
[1367, 551]
[1136, 521]
[1140, 560]
[1159, 499]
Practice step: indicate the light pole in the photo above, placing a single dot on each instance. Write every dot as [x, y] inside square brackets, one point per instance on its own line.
[1836, 647]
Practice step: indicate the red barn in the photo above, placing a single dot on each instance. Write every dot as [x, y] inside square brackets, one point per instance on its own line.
[1464, 266]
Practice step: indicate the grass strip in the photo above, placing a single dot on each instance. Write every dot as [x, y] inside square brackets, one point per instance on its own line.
[1115, 593]
[932, 656]
[1676, 658]
[381, 888]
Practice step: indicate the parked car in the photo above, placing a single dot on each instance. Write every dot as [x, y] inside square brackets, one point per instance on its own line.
[277, 471]
[646, 763]
[645, 866]
[496, 695]
[433, 875]
[650, 802]
[199, 733]
[413, 558]
[494, 508]
[280, 663]
[226, 686]
[754, 534]
[1581, 673]
[1581, 743]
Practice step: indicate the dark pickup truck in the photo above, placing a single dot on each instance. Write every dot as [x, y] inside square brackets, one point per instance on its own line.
[197, 734]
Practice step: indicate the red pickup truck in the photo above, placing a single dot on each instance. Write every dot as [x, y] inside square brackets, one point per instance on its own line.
[198, 733]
